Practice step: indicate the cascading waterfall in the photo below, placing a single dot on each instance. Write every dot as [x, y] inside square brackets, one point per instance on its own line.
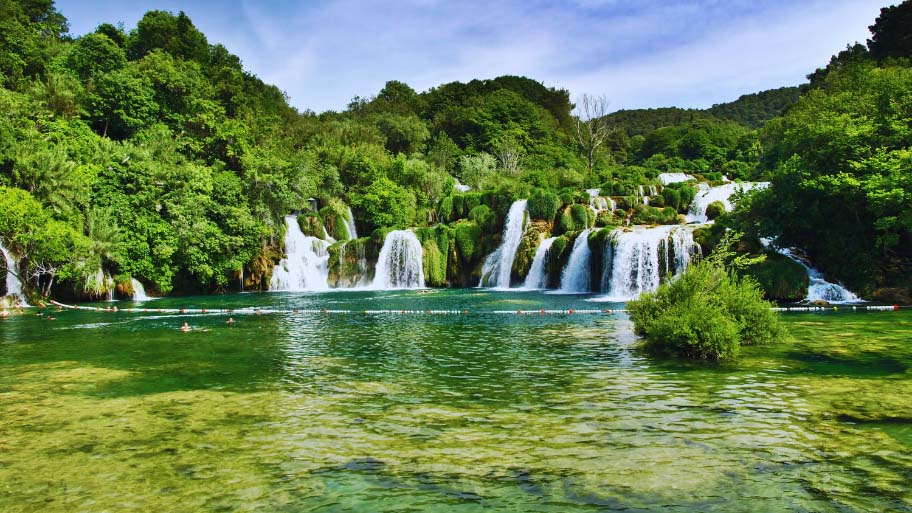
[306, 266]
[496, 269]
[400, 264]
[139, 292]
[350, 226]
[667, 178]
[598, 203]
[819, 289]
[537, 279]
[13, 284]
[637, 260]
[575, 277]
[723, 193]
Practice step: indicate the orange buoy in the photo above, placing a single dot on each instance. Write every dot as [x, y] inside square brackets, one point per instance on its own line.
[519, 312]
[571, 311]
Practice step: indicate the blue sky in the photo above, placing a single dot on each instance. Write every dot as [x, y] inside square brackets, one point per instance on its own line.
[645, 53]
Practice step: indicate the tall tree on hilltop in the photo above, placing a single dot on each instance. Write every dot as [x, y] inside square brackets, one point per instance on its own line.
[891, 33]
[592, 126]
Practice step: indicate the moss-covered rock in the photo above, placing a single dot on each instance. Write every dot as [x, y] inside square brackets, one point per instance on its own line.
[598, 242]
[536, 232]
[543, 205]
[781, 278]
[351, 263]
[645, 214]
[557, 258]
[311, 224]
[435, 243]
[445, 210]
[467, 235]
[714, 210]
[335, 219]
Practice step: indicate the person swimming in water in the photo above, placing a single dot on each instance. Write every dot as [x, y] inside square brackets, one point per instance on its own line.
[229, 321]
[186, 327]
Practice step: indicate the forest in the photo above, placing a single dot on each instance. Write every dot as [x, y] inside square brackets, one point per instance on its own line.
[151, 153]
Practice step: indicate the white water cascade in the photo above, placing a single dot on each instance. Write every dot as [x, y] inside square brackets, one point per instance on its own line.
[537, 279]
[819, 289]
[723, 193]
[139, 292]
[575, 277]
[13, 285]
[637, 260]
[306, 266]
[599, 203]
[350, 226]
[400, 264]
[667, 178]
[496, 269]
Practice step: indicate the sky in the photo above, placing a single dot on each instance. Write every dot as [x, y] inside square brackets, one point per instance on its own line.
[638, 53]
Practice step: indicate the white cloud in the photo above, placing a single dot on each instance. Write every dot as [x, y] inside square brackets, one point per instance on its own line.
[648, 53]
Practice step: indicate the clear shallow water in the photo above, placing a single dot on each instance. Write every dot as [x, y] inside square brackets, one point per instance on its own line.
[123, 412]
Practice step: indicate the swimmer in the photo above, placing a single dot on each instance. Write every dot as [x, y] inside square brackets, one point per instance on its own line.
[229, 321]
[186, 327]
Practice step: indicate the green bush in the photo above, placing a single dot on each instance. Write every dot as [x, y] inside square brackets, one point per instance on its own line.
[780, 277]
[445, 210]
[484, 217]
[672, 198]
[714, 210]
[582, 215]
[543, 205]
[468, 241]
[659, 202]
[707, 313]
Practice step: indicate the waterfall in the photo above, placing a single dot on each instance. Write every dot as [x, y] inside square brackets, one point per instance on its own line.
[139, 292]
[305, 267]
[723, 193]
[461, 188]
[350, 225]
[537, 279]
[637, 260]
[598, 203]
[819, 289]
[496, 269]
[13, 285]
[575, 277]
[400, 264]
[667, 178]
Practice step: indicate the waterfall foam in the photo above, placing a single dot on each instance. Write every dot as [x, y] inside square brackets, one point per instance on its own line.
[400, 264]
[537, 279]
[723, 193]
[13, 284]
[667, 178]
[306, 266]
[637, 260]
[819, 289]
[350, 225]
[497, 266]
[139, 292]
[576, 275]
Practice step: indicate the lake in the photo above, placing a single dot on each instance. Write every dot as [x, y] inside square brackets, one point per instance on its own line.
[285, 412]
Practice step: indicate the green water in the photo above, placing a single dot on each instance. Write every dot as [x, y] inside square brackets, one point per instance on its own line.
[120, 412]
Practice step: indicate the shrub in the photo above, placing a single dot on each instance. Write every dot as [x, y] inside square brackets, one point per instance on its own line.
[672, 198]
[543, 205]
[659, 201]
[708, 312]
[484, 217]
[445, 210]
[581, 216]
[468, 241]
[715, 209]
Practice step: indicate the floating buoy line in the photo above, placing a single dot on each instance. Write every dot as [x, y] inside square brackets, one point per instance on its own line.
[311, 311]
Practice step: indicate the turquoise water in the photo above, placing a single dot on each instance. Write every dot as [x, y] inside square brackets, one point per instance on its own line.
[480, 412]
